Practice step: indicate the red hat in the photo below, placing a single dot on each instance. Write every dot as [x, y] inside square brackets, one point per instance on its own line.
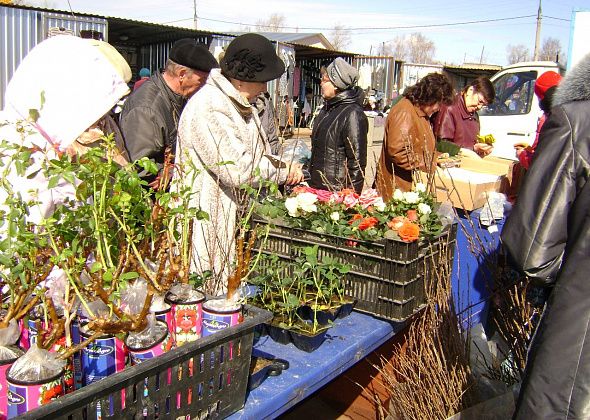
[545, 81]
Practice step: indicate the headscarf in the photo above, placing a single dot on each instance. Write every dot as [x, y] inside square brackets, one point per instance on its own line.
[77, 86]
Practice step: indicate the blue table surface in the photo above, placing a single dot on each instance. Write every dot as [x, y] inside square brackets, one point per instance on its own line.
[349, 341]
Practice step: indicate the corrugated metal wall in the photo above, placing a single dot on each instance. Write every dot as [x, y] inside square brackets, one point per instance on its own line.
[154, 56]
[411, 73]
[384, 74]
[22, 29]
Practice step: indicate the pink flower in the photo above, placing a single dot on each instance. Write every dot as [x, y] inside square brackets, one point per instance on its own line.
[324, 196]
[350, 201]
[368, 197]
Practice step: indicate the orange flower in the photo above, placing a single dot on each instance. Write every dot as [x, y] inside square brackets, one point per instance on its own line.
[412, 215]
[396, 222]
[368, 222]
[409, 232]
[355, 217]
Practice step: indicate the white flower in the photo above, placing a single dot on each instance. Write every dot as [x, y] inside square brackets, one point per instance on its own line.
[398, 195]
[292, 206]
[420, 187]
[307, 202]
[411, 197]
[379, 204]
[424, 208]
[335, 216]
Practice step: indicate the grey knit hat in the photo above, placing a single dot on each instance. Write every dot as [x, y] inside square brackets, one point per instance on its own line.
[342, 74]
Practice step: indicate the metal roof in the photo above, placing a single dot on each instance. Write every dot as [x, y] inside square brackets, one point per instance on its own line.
[130, 32]
[474, 66]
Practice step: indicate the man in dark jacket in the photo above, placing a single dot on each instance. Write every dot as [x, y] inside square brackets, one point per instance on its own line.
[548, 237]
[150, 115]
[339, 136]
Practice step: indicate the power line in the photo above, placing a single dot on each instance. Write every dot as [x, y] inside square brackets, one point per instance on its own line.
[435, 25]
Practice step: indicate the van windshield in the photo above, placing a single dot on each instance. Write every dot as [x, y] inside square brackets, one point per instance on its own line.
[514, 94]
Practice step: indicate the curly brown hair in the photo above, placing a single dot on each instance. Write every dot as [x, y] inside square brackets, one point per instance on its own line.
[432, 88]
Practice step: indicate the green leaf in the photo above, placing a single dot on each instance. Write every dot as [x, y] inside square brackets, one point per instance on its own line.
[95, 267]
[129, 275]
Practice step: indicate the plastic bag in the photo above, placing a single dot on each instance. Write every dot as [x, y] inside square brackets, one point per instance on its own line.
[493, 209]
[9, 336]
[146, 338]
[296, 150]
[97, 307]
[182, 292]
[133, 297]
[56, 283]
[36, 365]
[158, 304]
[446, 213]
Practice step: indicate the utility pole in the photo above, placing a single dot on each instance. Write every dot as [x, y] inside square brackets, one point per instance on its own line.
[481, 56]
[195, 10]
[538, 35]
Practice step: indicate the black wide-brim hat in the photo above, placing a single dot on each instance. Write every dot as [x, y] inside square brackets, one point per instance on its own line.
[251, 58]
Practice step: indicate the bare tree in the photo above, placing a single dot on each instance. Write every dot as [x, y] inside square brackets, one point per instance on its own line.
[274, 23]
[415, 48]
[518, 53]
[551, 50]
[340, 37]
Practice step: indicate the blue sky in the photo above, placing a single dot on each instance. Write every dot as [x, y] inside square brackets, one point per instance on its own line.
[454, 44]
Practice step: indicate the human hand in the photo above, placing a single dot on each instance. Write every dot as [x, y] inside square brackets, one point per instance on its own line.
[295, 175]
[521, 147]
[482, 149]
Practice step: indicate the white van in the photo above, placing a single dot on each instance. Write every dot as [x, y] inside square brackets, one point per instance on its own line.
[512, 117]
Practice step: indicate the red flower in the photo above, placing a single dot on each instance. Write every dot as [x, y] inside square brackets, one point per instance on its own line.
[412, 215]
[409, 232]
[368, 222]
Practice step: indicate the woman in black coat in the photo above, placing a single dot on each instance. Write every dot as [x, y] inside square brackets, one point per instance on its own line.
[548, 236]
[339, 136]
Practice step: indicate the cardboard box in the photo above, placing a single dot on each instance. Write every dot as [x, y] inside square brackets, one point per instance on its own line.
[466, 189]
[488, 165]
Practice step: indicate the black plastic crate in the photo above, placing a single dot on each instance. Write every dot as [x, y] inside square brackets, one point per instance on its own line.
[386, 277]
[212, 370]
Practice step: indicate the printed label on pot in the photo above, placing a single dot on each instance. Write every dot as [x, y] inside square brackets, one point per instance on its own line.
[214, 321]
[3, 391]
[187, 322]
[102, 358]
[23, 398]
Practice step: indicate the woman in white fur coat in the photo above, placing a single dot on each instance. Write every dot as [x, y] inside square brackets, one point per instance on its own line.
[220, 134]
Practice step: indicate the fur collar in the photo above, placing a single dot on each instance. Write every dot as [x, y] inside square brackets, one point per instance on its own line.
[576, 84]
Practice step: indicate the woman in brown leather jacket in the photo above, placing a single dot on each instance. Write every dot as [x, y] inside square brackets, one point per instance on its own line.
[409, 142]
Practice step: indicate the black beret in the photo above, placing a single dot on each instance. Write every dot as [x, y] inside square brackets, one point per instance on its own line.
[252, 58]
[188, 52]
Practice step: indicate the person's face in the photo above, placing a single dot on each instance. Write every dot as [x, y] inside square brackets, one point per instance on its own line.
[191, 81]
[430, 109]
[249, 90]
[328, 88]
[474, 101]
